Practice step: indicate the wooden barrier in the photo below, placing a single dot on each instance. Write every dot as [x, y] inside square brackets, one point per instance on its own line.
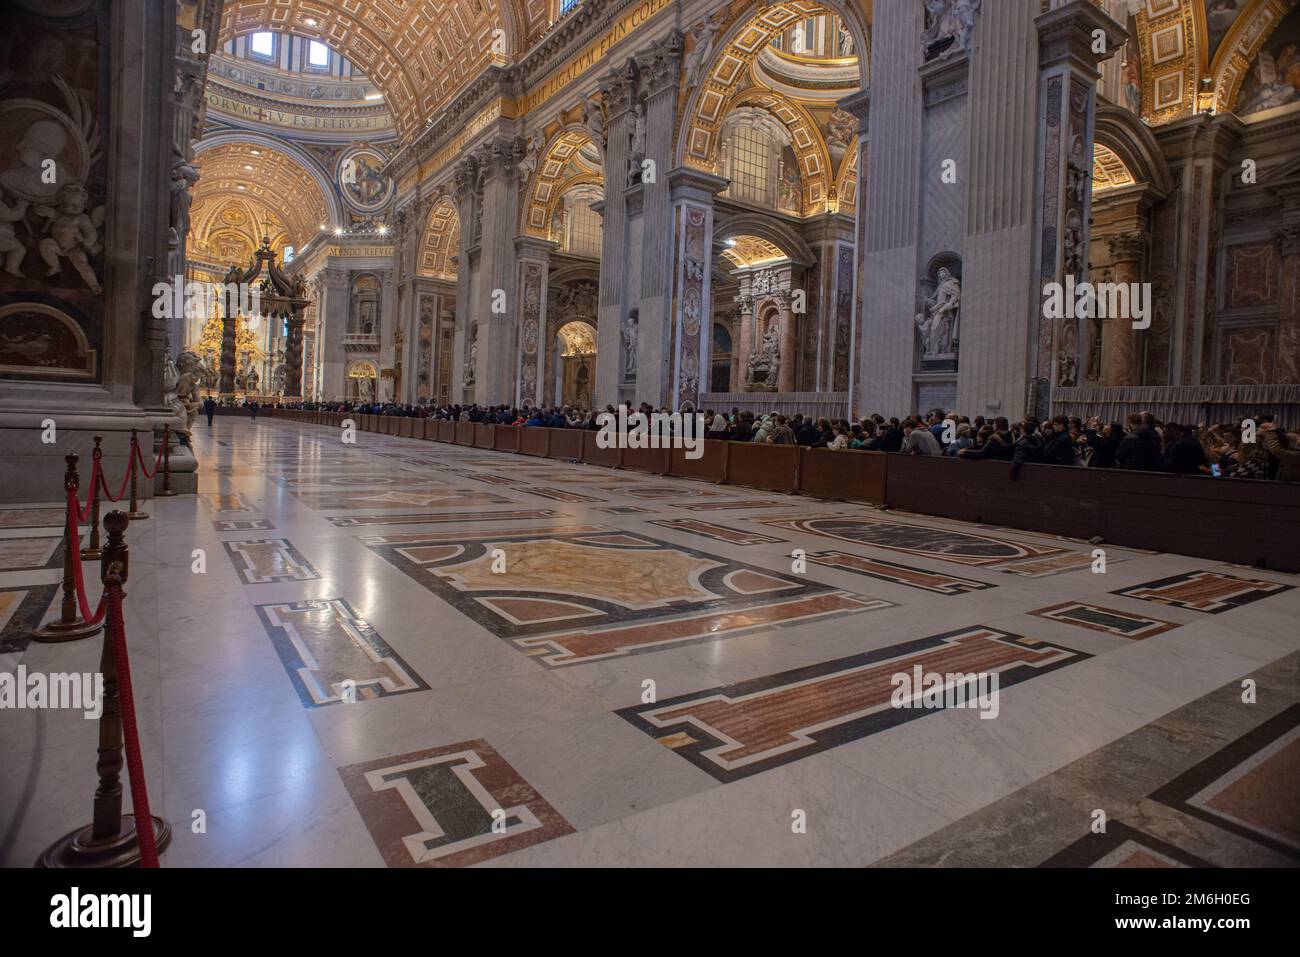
[506, 438]
[845, 476]
[1227, 520]
[654, 461]
[593, 454]
[534, 440]
[565, 444]
[1232, 520]
[771, 467]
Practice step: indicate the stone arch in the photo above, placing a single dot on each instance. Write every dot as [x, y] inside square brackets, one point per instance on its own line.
[1242, 45]
[739, 43]
[249, 139]
[767, 228]
[1132, 144]
[805, 139]
[440, 245]
[398, 44]
[552, 178]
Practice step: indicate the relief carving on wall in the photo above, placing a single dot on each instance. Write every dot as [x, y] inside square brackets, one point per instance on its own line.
[52, 195]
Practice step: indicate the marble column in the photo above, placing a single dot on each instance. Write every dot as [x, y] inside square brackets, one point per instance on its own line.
[1068, 72]
[465, 187]
[534, 256]
[692, 193]
[660, 70]
[1288, 320]
[1121, 347]
[618, 92]
[743, 344]
[789, 346]
[494, 375]
[332, 326]
[1198, 149]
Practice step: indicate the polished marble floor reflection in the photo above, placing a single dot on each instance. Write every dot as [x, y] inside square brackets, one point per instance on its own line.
[408, 654]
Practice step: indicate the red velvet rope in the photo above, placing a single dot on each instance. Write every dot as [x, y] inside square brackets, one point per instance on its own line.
[126, 480]
[113, 594]
[84, 513]
[74, 546]
[144, 468]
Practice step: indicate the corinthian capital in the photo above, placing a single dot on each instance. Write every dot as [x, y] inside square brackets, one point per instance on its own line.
[1129, 247]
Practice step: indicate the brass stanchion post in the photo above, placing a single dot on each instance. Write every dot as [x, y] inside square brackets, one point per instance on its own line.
[167, 462]
[92, 551]
[70, 625]
[135, 512]
[110, 841]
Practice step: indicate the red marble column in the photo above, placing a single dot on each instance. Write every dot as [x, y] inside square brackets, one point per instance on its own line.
[789, 347]
[1121, 353]
[1288, 320]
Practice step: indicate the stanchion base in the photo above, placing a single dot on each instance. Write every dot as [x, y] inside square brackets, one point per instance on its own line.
[163, 494]
[67, 631]
[136, 516]
[80, 849]
[91, 554]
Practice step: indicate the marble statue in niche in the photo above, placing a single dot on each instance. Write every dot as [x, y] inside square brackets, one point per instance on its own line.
[471, 356]
[74, 234]
[764, 366]
[184, 176]
[182, 380]
[938, 324]
[631, 325]
[949, 28]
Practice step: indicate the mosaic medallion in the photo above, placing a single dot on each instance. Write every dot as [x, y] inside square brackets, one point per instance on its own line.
[571, 598]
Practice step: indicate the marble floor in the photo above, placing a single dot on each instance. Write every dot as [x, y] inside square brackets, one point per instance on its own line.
[402, 653]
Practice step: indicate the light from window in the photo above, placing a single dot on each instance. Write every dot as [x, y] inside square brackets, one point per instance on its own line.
[584, 230]
[262, 44]
[567, 5]
[288, 254]
[318, 54]
[751, 166]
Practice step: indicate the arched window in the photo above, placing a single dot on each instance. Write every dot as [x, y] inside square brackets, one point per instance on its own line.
[752, 141]
[582, 225]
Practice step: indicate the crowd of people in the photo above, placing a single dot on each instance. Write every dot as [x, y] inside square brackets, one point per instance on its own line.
[1256, 448]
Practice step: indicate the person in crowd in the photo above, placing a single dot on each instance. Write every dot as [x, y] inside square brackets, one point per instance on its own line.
[1282, 449]
[209, 409]
[1140, 449]
[961, 443]
[839, 439]
[1029, 447]
[1102, 443]
[919, 440]
[1183, 454]
[782, 434]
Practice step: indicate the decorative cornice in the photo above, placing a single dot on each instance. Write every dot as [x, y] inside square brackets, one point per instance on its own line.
[1066, 34]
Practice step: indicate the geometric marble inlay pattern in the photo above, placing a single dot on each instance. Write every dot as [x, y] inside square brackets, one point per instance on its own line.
[22, 553]
[1209, 592]
[721, 533]
[324, 644]
[33, 517]
[1122, 624]
[243, 525]
[21, 610]
[571, 598]
[735, 731]
[422, 496]
[449, 807]
[937, 582]
[966, 548]
[225, 502]
[260, 561]
[438, 518]
[1248, 787]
